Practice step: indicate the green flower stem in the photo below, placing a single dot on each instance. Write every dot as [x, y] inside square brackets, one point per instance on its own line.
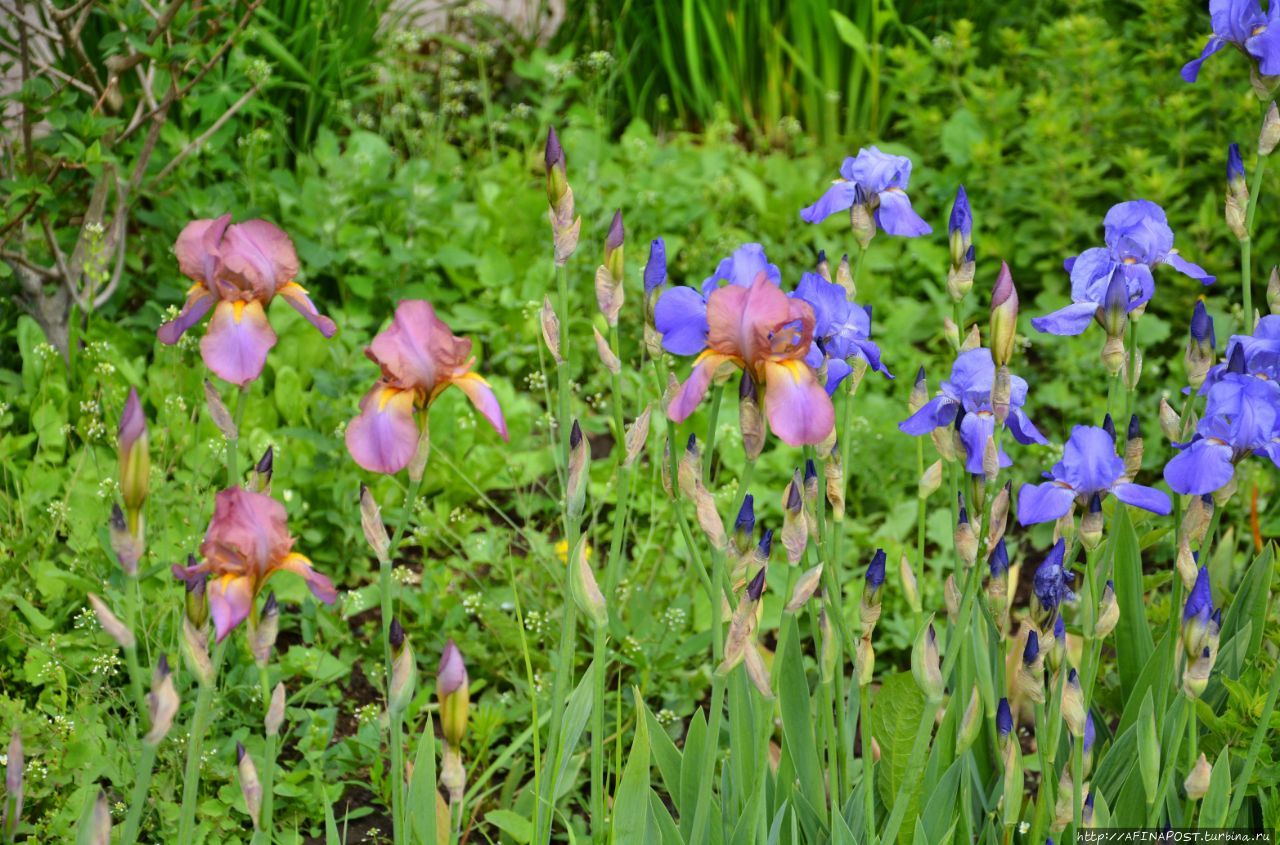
[600, 657]
[233, 443]
[1131, 379]
[138, 798]
[1170, 763]
[1255, 747]
[386, 589]
[1246, 245]
[267, 813]
[535, 727]
[131, 653]
[544, 810]
[709, 454]
[868, 767]
[1077, 784]
[925, 729]
[195, 742]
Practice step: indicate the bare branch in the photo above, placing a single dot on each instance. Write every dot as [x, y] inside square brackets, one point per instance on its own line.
[72, 10]
[165, 20]
[206, 135]
[21, 260]
[39, 28]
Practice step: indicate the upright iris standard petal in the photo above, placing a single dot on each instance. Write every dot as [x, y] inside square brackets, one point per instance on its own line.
[1138, 239]
[881, 181]
[655, 269]
[1243, 24]
[237, 270]
[419, 357]
[842, 330]
[1257, 354]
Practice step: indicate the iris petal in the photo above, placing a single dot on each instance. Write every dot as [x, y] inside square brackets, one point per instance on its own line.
[238, 340]
[384, 437]
[1043, 502]
[799, 410]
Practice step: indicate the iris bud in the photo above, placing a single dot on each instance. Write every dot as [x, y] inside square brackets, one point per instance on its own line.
[583, 586]
[960, 277]
[1091, 524]
[810, 482]
[1188, 563]
[1273, 291]
[966, 541]
[951, 332]
[919, 392]
[95, 824]
[565, 226]
[375, 532]
[127, 548]
[1004, 721]
[1001, 392]
[655, 273]
[404, 669]
[795, 532]
[579, 465]
[162, 702]
[453, 688]
[862, 218]
[1133, 447]
[135, 457]
[250, 786]
[823, 267]
[970, 723]
[972, 340]
[1170, 422]
[609, 290]
[1115, 306]
[1108, 612]
[833, 471]
[275, 711]
[1030, 674]
[742, 627]
[689, 470]
[195, 651]
[557, 180]
[910, 588]
[844, 277]
[1269, 135]
[930, 481]
[925, 663]
[866, 661]
[745, 525]
[951, 597]
[550, 329]
[804, 589]
[263, 470]
[1197, 782]
[1201, 351]
[111, 623]
[1195, 522]
[637, 436]
[1004, 317]
[263, 639]
[1195, 677]
[605, 353]
[999, 517]
[1237, 202]
[1013, 785]
[1073, 710]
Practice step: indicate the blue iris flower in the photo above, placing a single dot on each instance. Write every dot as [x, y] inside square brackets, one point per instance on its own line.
[1138, 239]
[883, 179]
[842, 330]
[1243, 24]
[1089, 467]
[1241, 417]
[655, 269]
[968, 392]
[1004, 718]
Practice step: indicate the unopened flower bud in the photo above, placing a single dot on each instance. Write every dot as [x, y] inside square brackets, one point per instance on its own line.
[833, 471]
[609, 289]
[1269, 135]
[1201, 352]
[873, 581]
[263, 470]
[1091, 524]
[1188, 563]
[655, 276]
[990, 461]
[1197, 782]
[218, 412]
[1195, 677]
[795, 531]
[605, 352]
[404, 669]
[1195, 522]
[866, 661]
[951, 598]
[966, 540]
[454, 691]
[126, 545]
[579, 469]
[972, 340]
[95, 824]
[999, 518]
[263, 638]
[275, 711]
[951, 332]
[550, 329]
[583, 586]
[930, 481]
[1113, 355]
[806, 585]
[564, 225]
[960, 278]
[375, 532]
[750, 417]
[111, 623]
[1273, 291]
[1108, 612]
[1004, 721]
[919, 392]
[822, 266]
[1133, 447]
[250, 786]
[1170, 422]
[810, 482]
[744, 525]
[1030, 675]
[970, 722]
[910, 587]
[844, 277]
[664, 470]
[742, 627]
[1004, 317]
[862, 218]
[195, 652]
[960, 227]
[926, 665]
[1237, 202]
[1001, 392]
[162, 702]
[1115, 306]
[1073, 709]
[135, 455]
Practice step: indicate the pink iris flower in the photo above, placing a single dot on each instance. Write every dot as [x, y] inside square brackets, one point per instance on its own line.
[247, 542]
[762, 330]
[238, 268]
[419, 357]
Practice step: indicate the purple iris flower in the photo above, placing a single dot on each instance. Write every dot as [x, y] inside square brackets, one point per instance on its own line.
[998, 560]
[1259, 352]
[876, 570]
[681, 313]
[1241, 417]
[1052, 580]
[969, 390]
[1243, 24]
[883, 179]
[1138, 238]
[961, 220]
[1004, 718]
[1089, 466]
[842, 330]
[1200, 600]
